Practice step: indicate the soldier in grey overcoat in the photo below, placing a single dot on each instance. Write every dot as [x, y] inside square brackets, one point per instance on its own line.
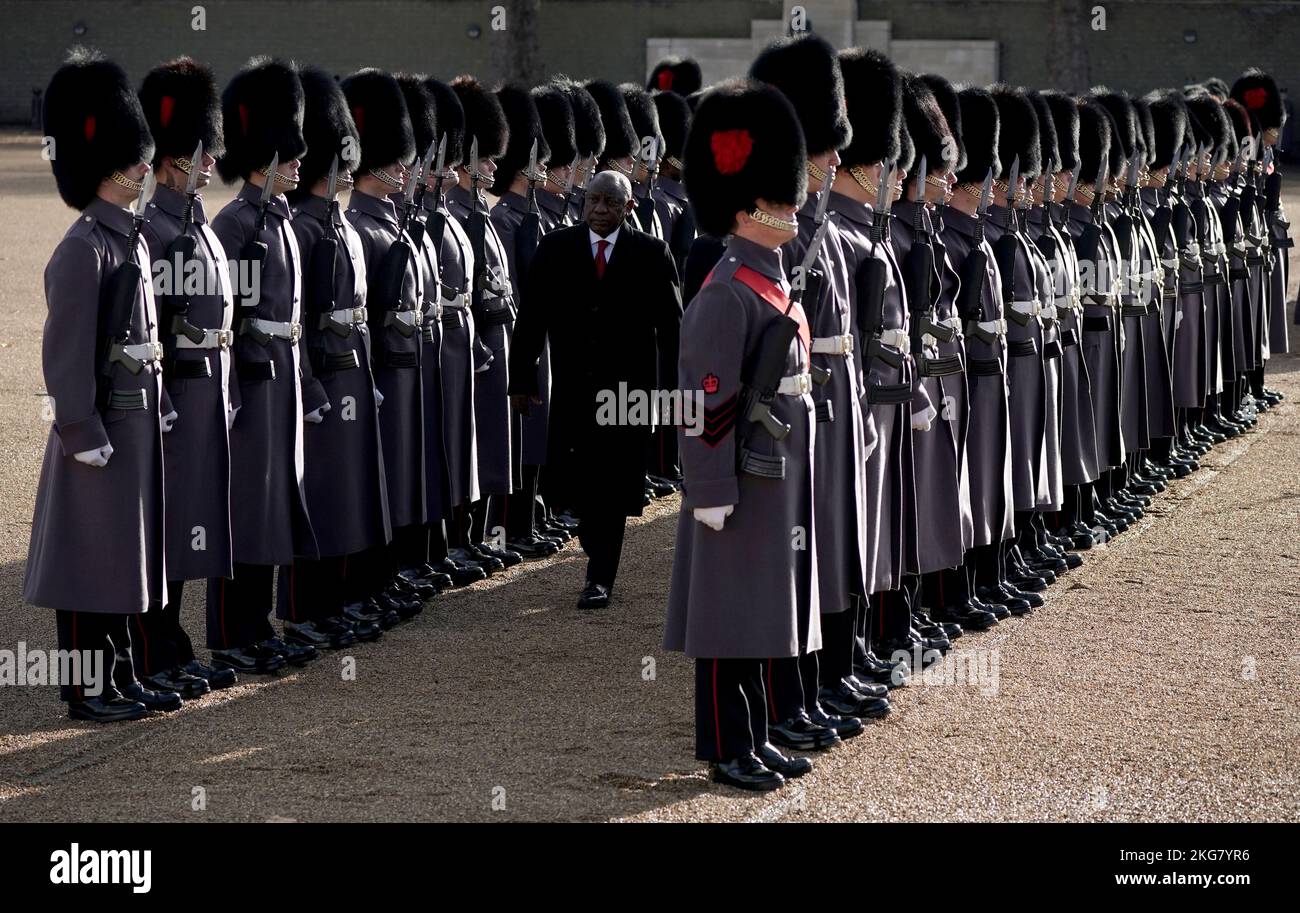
[819, 695]
[744, 583]
[97, 547]
[180, 101]
[492, 296]
[395, 304]
[518, 222]
[262, 111]
[347, 492]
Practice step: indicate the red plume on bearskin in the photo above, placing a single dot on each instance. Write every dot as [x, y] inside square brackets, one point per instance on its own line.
[731, 150]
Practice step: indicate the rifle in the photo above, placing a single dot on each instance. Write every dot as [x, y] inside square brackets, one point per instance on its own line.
[872, 274]
[529, 233]
[477, 231]
[384, 295]
[254, 251]
[117, 308]
[974, 268]
[812, 280]
[918, 269]
[645, 207]
[436, 220]
[323, 263]
[175, 303]
[1007, 248]
[411, 221]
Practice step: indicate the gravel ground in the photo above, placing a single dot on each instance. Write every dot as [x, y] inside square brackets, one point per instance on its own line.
[1159, 682]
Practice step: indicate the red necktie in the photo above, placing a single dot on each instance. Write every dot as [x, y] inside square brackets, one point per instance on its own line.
[600, 258]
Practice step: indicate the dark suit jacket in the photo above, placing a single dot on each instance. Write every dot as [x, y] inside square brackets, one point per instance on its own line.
[621, 329]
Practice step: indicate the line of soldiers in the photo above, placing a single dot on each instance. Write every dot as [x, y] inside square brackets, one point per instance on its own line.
[948, 339]
[302, 404]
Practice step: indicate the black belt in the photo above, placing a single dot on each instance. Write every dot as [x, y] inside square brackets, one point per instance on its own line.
[323, 362]
[126, 400]
[1069, 337]
[758, 464]
[452, 317]
[398, 359]
[1255, 260]
[984, 367]
[1238, 272]
[499, 317]
[1051, 349]
[1134, 310]
[429, 331]
[187, 368]
[889, 394]
[944, 366]
[1284, 243]
[1217, 279]
[252, 371]
[1022, 349]
[1096, 324]
[825, 411]
[1184, 287]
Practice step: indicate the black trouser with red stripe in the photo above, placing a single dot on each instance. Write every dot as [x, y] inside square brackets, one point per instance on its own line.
[158, 640]
[239, 608]
[792, 685]
[948, 587]
[310, 590]
[88, 634]
[730, 708]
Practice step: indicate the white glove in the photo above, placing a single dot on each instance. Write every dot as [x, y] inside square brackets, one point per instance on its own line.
[97, 457]
[922, 420]
[316, 416]
[714, 517]
[379, 397]
[230, 417]
[168, 421]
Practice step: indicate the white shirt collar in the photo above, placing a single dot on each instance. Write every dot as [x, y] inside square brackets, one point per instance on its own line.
[595, 238]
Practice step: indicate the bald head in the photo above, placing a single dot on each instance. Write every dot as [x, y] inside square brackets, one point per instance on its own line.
[612, 183]
[607, 203]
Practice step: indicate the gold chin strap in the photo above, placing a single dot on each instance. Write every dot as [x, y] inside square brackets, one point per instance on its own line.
[626, 172]
[771, 221]
[975, 190]
[1272, 134]
[815, 171]
[936, 182]
[121, 180]
[183, 164]
[282, 178]
[674, 162]
[386, 178]
[859, 174]
[1086, 192]
[344, 180]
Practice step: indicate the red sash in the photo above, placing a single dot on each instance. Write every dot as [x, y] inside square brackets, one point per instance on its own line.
[770, 292]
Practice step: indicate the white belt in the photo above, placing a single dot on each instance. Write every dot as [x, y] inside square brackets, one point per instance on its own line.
[498, 290]
[1064, 304]
[457, 301]
[833, 345]
[349, 315]
[1028, 308]
[281, 329]
[896, 339]
[1171, 263]
[928, 341]
[212, 339]
[995, 327]
[954, 322]
[795, 384]
[410, 318]
[144, 351]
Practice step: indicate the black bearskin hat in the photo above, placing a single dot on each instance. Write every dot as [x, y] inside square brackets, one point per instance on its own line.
[745, 145]
[873, 93]
[980, 133]
[1215, 127]
[422, 109]
[1239, 118]
[1094, 140]
[674, 121]
[96, 123]
[524, 125]
[484, 119]
[182, 106]
[1049, 144]
[620, 135]
[1169, 118]
[327, 125]
[645, 116]
[558, 129]
[676, 74]
[379, 111]
[807, 71]
[1258, 92]
[588, 128]
[1065, 118]
[1147, 129]
[946, 96]
[1125, 125]
[1017, 131]
[928, 127]
[261, 112]
[450, 119]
